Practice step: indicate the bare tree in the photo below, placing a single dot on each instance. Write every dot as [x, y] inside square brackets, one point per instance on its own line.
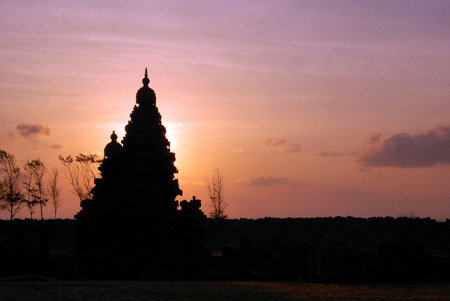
[38, 170]
[81, 173]
[215, 192]
[53, 190]
[412, 214]
[10, 186]
[29, 199]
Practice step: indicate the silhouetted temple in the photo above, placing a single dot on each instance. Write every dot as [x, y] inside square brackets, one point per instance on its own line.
[133, 226]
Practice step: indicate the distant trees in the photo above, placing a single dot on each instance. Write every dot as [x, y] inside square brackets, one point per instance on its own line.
[29, 200]
[81, 173]
[30, 189]
[38, 171]
[215, 192]
[53, 190]
[11, 196]
[33, 184]
[27, 189]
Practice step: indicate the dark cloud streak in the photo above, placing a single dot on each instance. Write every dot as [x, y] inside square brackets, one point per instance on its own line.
[57, 146]
[269, 181]
[327, 154]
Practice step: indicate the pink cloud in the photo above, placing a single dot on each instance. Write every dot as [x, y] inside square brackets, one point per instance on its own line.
[283, 146]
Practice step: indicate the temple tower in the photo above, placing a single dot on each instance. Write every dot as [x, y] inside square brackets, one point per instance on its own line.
[133, 223]
[144, 165]
[149, 161]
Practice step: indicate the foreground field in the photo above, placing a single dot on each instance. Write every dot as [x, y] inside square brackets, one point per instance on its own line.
[248, 291]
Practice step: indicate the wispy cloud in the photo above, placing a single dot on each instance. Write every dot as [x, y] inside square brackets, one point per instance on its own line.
[57, 146]
[268, 181]
[283, 146]
[407, 150]
[327, 154]
[32, 131]
[196, 183]
[237, 150]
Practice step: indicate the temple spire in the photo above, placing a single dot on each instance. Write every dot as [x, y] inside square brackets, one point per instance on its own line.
[146, 80]
[113, 136]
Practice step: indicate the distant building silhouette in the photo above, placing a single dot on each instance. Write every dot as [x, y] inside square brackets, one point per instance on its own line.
[133, 227]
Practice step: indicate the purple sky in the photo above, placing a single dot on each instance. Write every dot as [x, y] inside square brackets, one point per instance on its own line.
[310, 108]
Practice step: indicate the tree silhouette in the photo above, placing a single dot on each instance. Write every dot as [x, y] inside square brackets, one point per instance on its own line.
[11, 197]
[38, 171]
[81, 173]
[53, 190]
[29, 199]
[215, 192]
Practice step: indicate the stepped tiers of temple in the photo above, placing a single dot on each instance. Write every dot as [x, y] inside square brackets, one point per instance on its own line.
[142, 168]
[133, 221]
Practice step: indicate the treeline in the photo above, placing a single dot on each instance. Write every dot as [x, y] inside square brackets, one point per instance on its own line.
[32, 186]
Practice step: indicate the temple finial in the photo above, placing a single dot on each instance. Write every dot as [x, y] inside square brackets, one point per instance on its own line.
[146, 80]
[113, 136]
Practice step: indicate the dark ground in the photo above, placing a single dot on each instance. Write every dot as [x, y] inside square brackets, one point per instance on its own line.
[248, 291]
[335, 250]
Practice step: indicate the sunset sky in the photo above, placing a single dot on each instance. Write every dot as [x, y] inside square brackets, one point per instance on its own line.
[309, 108]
